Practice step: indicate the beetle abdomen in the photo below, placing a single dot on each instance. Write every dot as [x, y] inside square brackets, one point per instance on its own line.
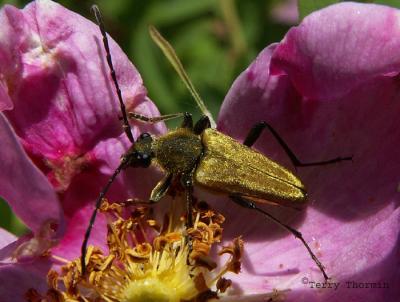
[234, 168]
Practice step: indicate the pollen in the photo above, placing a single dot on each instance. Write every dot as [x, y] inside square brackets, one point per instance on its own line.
[149, 260]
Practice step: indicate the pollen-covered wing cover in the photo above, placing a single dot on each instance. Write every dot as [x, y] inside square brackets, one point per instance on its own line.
[231, 167]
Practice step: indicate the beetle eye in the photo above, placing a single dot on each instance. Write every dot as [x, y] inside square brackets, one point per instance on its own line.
[140, 159]
[144, 135]
[145, 160]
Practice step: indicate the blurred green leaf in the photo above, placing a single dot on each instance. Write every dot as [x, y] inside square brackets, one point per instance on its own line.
[13, 2]
[9, 221]
[203, 55]
[150, 68]
[393, 3]
[5, 212]
[164, 13]
[306, 7]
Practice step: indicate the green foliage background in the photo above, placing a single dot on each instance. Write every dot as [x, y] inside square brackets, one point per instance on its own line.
[215, 39]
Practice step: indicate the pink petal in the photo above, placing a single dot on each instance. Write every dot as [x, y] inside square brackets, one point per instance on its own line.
[340, 47]
[65, 108]
[70, 246]
[16, 279]
[12, 29]
[79, 205]
[24, 187]
[6, 238]
[5, 101]
[64, 101]
[352, 221]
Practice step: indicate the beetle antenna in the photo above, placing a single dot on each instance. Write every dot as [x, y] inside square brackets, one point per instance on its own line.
[94, 214]
[172, 57]
[250, 205]
[100, 23]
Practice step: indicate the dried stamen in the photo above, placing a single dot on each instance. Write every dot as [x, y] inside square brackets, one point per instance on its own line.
[148, 261]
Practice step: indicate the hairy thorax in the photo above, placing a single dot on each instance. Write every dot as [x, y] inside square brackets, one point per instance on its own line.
[178, 151]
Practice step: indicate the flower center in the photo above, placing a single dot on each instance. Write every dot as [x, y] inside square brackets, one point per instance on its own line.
[148, 261]
[157, 290]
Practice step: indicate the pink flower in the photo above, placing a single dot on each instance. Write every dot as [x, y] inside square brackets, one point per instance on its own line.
[60, 105]
[34, 200]
[329, 88]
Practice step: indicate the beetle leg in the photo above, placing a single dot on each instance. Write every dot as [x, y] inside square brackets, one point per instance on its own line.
[187, 121]
[161, 188]
[187, 118]
[255, 133]
[153, 119]
[135, 202]
[187, 182]
[202, 124]
[244, 202]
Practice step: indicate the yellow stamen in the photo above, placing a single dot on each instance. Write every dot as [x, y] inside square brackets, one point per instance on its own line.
[147, 262]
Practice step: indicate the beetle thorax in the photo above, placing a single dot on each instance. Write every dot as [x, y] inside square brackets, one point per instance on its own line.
[178, 151]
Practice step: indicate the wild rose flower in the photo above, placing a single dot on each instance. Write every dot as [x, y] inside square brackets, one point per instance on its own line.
[56, 94]
[330, 88]
[320, 89]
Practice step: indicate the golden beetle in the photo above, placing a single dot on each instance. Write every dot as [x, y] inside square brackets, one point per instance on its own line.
[199, 155]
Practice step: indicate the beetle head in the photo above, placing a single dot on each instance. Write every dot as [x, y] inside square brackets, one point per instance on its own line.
[140, 154]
